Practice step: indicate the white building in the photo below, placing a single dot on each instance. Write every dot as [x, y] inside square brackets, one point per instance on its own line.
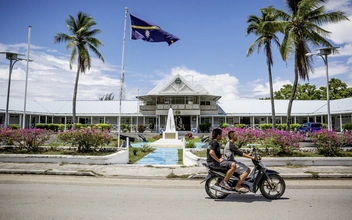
[192, 106]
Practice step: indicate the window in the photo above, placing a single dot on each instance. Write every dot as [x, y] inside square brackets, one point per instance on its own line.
[101, 120]
[83, 121]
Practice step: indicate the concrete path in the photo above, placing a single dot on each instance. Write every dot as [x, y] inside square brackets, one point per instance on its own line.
[161, 156]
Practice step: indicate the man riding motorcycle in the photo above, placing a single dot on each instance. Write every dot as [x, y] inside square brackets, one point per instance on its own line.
[241, 169]
[214, 158]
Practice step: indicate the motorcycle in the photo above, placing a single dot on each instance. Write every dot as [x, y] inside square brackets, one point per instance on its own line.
[271, 184]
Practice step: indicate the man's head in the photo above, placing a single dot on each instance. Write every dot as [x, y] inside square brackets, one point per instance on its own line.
[216, 135]
[232, 136]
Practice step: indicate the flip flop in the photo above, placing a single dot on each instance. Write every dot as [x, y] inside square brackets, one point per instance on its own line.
[242, 190]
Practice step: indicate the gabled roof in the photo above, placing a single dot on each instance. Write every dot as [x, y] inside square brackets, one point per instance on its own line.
[181, 87]
[171, 87]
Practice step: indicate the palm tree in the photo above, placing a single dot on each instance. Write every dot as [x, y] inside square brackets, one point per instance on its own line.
[265, 37]
[108, 96]
[80, 42]
[301, 28]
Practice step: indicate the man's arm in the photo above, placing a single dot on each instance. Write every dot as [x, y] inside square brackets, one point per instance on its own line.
[213, 155]
[248, 156]
[236, 151]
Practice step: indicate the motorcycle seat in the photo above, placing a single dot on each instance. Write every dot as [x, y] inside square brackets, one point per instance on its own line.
[217, 168]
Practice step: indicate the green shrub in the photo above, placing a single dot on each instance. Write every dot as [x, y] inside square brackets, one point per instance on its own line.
[151, 126]
[294, 126]
[125, 128]
[135, 150]
[205, 127]
[104, 127]
[224, 125]
[146, 148]
[282, 127]
[240, 125]
[347, 127]
[265, 126]
[13, 126]
[141, 128]
[53, 127]
[190, 144]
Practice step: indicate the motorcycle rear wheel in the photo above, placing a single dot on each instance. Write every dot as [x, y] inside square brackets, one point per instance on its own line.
[273, 188]
[211, 192]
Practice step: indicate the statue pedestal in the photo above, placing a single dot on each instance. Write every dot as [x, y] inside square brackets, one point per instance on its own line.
[170, 135]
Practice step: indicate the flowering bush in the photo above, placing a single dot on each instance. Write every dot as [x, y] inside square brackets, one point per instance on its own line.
[30, 138]
[330, 143]
[285, 141]
[7, 135]
[189, 136]
[244, 136]
[87, 139]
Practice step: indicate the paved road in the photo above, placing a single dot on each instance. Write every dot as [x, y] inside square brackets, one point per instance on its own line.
[56, 197]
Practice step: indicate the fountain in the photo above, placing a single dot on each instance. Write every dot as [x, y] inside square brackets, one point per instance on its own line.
[170, 135]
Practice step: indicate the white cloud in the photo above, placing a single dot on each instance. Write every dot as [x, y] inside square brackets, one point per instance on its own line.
[340, 32]
[263, 90]
[50, 77]
[224, 84]
[349, 60]
[339, 5]
[335, 68]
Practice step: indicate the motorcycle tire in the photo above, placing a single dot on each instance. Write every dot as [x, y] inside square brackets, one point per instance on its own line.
[211, 192]
[273, 188]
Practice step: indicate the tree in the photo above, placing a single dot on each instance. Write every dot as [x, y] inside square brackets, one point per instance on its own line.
[108, 96]
[80, 42]
[301, 27]
[265, 37]
[338, 90]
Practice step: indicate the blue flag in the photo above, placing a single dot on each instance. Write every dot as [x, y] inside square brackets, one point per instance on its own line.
[150, 32]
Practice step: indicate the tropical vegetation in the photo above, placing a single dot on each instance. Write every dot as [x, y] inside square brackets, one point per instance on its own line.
[337, 90]
[81, 40]
[301, 26]
[265, 38]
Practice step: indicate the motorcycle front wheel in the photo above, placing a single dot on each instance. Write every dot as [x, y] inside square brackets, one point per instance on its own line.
[274, 187]
[214, 181]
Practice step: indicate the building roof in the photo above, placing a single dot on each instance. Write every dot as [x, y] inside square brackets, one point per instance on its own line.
[229, 108]
[177, 85]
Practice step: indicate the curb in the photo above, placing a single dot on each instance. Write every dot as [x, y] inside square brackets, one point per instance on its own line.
[47, 172]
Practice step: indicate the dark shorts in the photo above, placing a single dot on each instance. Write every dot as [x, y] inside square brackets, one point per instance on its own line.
[226, 163]
[241, 168]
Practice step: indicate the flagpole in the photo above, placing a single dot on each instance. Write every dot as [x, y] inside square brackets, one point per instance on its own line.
[25, 89]
[122, 80]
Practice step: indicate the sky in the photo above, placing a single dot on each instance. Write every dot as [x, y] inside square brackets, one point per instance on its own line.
[211, 50]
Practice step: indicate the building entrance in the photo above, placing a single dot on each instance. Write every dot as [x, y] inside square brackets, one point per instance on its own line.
[183, 123]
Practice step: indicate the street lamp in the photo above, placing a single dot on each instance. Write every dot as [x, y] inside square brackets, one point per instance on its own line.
[323, 53]
[13, 57]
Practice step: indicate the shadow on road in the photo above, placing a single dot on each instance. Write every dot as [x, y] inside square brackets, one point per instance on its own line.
[248, 198]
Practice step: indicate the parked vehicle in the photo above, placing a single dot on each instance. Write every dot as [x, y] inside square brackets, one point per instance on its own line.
[270, 183]
[309, 127]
